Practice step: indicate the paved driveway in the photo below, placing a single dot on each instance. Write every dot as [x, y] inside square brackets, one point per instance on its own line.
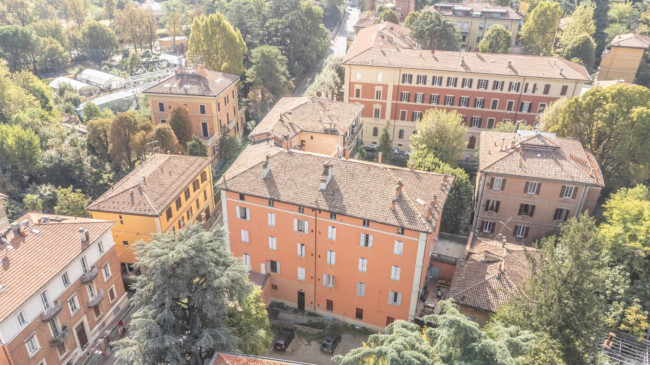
[302, 350]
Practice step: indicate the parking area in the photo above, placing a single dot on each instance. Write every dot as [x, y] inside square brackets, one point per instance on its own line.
[306, 348]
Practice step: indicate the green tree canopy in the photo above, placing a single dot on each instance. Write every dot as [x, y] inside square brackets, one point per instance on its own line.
[387, 15]
[251, 321]
[441, 133]
[385, 145]
[167, 141]
[98, 41]
[330, 80]
[221, 46]
[181, 124]
[196, 147]
[228, 147]
[496, 40]
[19, 46]
[456, 209]
[20, 149]
[183, 301]
[614, 123]
[581, 49]
[126, 139]
[52, 56]
[581, 22]
[268, 70]
[98, 138]
[49, 28]
[539, 29]
[71, 202]
[433, 31]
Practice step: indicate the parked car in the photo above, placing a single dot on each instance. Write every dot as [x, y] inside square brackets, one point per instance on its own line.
[283, 339]
[407, 154]
[371, 148]
[395, 151]
[330, 342]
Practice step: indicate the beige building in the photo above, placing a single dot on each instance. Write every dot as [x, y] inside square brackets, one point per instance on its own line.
[4, 222]
[530, 182]
[311, 124]
[474, 19]
[623, 57]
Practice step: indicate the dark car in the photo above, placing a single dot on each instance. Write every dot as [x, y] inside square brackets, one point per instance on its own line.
[283, 339]
[330, 342]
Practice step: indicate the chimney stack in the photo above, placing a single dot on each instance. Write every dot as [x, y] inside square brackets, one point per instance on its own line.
[326, 176]
[286, 142]
[379, 157]
[131, 192]
[144, 180]
[503, 141]
[85, 236]
[346, 152]
[15, 227]
[393, 203]
[266, 167]
[412, 166]
[201, 71]
[513, 143]
[398, 189]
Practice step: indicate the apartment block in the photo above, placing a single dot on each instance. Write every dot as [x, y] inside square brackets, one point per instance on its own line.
[163, 194]
[344, 238]
[210, 97]
[398, 83]
[311, 124]
[530, 182]
[60, 287]
[474, 19]
[621, 60]
[4, 222]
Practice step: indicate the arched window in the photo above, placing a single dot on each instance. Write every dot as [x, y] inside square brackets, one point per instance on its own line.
[401, 134]
[375, 131]
[472, 143]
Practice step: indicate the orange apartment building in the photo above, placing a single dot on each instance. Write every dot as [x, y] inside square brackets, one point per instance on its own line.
[311, 124]
[344, 238]
[621, 60]
[210, 97]
[397, 82]
[530, 182]
[163, 194]
[60, 288]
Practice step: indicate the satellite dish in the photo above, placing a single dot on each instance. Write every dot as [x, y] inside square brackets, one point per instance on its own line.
[319, 94]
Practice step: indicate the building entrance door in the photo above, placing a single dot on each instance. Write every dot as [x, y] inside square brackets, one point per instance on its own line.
[301, 301]
[81, 335]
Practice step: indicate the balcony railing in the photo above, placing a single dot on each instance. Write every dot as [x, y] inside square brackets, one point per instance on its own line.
[60, 338]
[96, 300]
[52, 311]
[89, 276]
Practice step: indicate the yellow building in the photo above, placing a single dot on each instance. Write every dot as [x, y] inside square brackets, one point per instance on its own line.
[474, 19]
[4, 222]
[163, 194]
[623, 57]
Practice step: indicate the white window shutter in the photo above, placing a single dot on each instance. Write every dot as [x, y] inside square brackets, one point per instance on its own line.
[390, 297]
[324, 279]
[278, 266]
[399, 298]
[370, 241]
[248, 214]
[360, 264]
[263, 268]
[362, 239]
[295, 224]
[237, 212]
[269, 222]
[306, 227]
[333, 233]
[299, 253]
[333, 257]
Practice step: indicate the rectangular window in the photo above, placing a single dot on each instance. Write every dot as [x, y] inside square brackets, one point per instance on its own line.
[331, 257]
[161, 107]
[568, 192]
[329, 305]
[202, 109]
[525, 106]
[361, 289]
[434, 99]
[478, 103]
[565, 88]
[464, 101]
[45, 300]
[111, 294]
[366, 240]
[300, 225]
[189, 214]
[526, 210]
[532, 187]
[497, 85]
[541, 108]
[475, 122]
[521, 231]
[73, 304]
[244, 236]
[509, 105]
[331, 233]
[547, 89]
[301, 209]
[301, 273]
[395, 272]
[482, 84]
[407, 78]
[271, 219]
[32, 345]
[494, 104]
[416, 116]
[65, 279]
[400, 230]
[204, 129]
[449, 100]
[247, 260]
[394, 298]
[405, 96]
[168, 213]
[205, 195]
[21, 318]
[273, 243]
[378, 94]
[376, 113]
[419, 98]
[106, 271]
[437, 80]
[421, 80]
[467, 83]
[398, 248]
[490, 123]
[492, 205]
[274, 267]
[452, 81]
[242, 213]
[358, 314]
[357, 92]
[488, 227]
[332, 215]
[187, 194]
[366, 223]
[363, 264]
[402, 114]
[561, 214]
[218, 106]
[514, 87]
[530, 88]
[179, 203]
[328, 280]
[301, 250]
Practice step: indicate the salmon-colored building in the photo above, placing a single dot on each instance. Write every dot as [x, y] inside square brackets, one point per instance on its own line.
[398, 83]
[530, 182]
[210, 97]
[311, 124]
[60, 288]
[344, 238]
[621, 60]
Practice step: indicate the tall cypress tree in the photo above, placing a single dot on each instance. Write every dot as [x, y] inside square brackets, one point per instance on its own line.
[602, 21]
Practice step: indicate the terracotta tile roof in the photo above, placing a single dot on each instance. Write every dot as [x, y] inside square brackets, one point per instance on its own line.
[239, 359]
[194, 82]
[490, 274]
[38, 257]
[292, 115]
[447, 8]
[631, 40]
[357, 188]
[384, 35]
[258, 278]
[366, 19]
[538, 155]
[155, 184]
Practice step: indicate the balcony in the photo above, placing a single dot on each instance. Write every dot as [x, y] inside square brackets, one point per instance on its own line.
[60, 338]
[96, 300]
[52, 311]
[89, 276]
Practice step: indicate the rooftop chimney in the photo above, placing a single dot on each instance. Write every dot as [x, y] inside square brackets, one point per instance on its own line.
[201, 71]
[398, 189]
[517, 126]
[393, 203]
[503, 141]
[266, 167]
[561, 70]
[346, 153]
[509, 63]
[286, 142]
[144, 180]
[513, 143]
[85, 236]
[412, 166]
[326, 176]
[15, 227]
[379, 157]
[270, 142]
